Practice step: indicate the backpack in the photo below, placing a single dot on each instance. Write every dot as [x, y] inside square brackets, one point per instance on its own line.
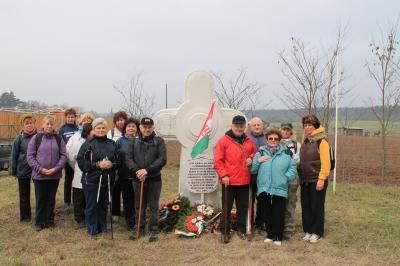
[39, 137]
[331, 154]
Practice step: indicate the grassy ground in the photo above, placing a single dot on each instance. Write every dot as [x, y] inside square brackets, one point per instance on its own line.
[362, 228]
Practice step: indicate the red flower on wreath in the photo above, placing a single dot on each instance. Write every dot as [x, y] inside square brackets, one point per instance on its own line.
[190, 226]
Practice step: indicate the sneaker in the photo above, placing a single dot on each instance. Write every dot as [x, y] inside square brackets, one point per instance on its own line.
[152, 237]
[315, 238]
[278, 243]
[268, 240]
[307, 237]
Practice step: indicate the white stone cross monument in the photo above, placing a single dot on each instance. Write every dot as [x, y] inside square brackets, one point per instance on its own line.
[197, 178]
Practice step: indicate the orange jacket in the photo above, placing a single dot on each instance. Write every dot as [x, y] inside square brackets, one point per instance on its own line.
[230, 160]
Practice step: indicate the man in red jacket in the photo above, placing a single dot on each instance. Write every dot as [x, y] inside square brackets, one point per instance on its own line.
[232, 158]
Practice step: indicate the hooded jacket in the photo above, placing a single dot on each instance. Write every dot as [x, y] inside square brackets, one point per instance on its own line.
[48, 155]
[273, 175]
[92, 151]
[19, 164]
[230, 158]
[314, 161]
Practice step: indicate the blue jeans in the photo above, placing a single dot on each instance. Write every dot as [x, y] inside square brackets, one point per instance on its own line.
[95, 213]
[151, 197]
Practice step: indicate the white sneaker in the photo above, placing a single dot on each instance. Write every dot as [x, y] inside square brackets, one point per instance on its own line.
[278, 243]
[315, 238]
[307, 237]
[268, 240]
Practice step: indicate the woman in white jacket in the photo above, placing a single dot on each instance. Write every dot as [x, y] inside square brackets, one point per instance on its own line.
[78, 197]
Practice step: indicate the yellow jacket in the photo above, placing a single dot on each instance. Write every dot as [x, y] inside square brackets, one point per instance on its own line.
[324, 154]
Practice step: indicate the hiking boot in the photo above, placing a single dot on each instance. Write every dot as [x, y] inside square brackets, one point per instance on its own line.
[241, 235]
[306, 237]
[134, 234]
[38, 228]
[152, 237]
[315, 238]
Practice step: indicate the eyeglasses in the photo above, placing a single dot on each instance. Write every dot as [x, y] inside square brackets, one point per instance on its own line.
[273, 139]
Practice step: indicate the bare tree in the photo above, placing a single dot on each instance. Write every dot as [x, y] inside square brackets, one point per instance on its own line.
[136, 102]
[384, 68]
[311, 79]
[239, 93]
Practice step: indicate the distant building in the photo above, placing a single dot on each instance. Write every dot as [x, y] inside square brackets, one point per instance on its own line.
[351, 131]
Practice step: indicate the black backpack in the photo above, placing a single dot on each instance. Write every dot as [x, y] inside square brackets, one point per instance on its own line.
[331, 154]
[39, 137]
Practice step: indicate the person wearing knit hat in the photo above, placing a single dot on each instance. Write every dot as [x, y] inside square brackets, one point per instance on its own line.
[314, 169]
[98, 159]
[20, 167]
[289, 141]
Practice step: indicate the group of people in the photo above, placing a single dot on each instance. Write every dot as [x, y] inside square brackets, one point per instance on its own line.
[98, 166]
[269, 167]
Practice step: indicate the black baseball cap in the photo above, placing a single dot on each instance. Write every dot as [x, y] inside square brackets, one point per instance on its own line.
[147, 121]
[287, 125]
[239, 119]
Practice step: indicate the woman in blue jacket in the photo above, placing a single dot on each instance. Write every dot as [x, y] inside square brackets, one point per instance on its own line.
[274, 167]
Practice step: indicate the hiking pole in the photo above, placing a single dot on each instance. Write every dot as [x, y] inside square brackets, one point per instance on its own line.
[226, 214]
[98, 191]
[140, 209]
[110, 202]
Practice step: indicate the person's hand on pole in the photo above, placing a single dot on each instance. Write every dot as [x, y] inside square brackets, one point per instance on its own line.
[225, 180]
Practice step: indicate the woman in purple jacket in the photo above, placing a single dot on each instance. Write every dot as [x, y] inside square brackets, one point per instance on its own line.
[47, 157]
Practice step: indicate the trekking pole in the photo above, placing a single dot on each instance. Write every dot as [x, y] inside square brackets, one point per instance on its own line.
[140, 209]
[110, 202]
[226, 214]
[98, 191]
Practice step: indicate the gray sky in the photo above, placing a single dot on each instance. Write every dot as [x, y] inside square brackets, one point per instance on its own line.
[73, 52]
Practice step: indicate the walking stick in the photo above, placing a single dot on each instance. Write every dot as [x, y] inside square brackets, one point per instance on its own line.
[140, 209]
[110, 203]
[98, 191]
[226, 214]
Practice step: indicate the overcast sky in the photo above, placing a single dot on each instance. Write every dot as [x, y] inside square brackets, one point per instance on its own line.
[73, 52]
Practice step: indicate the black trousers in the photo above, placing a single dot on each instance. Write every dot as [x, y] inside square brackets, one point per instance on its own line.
[116, 196]
[239, 195]
[96, 212]
[313, 208]
[151, 197]
[69, 176]
[78, 200]
[45, 192]
[128, 202]
[273, 213]
[24, 188]
[257, 221]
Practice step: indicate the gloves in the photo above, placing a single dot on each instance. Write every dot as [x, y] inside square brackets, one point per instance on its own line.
[320, 184]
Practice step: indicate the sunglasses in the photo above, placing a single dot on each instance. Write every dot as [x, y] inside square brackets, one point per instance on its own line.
[273, 139]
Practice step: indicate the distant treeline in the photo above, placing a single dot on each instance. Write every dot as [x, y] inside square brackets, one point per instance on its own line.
[284, 115]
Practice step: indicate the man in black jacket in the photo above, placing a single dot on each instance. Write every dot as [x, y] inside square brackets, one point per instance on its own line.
[145, 158]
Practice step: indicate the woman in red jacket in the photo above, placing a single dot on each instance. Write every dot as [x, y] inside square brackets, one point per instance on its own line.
[233, 156]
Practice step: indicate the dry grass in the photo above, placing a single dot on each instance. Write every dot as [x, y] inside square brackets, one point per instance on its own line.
[362, 229]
